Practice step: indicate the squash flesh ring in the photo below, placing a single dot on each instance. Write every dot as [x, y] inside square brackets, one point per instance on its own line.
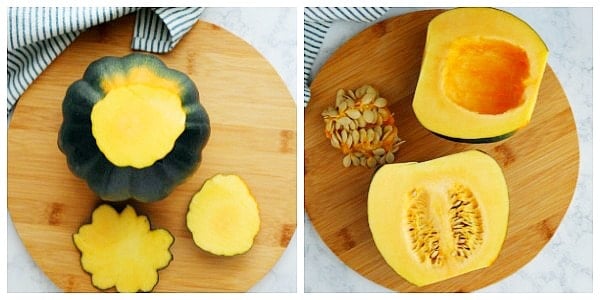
[120, 250]
[223, 216]
[438, 219]
[137, 123]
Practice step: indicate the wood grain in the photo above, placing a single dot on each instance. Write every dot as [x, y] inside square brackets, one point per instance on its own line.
[253, 120]
[540, 162]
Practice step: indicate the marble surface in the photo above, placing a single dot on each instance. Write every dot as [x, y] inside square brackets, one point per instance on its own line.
[272, 32]
[565, 263]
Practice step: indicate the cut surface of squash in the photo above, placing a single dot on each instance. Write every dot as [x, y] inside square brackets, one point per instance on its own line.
[223, 216]
[480, 75]
[120, 250]
[137, 125]
[441, 218]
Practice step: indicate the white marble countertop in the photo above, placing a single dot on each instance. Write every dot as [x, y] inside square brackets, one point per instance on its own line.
[272, 32]
[565, 263]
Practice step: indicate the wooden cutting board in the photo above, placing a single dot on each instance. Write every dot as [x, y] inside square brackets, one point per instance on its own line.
[540, 162]
[253, 121]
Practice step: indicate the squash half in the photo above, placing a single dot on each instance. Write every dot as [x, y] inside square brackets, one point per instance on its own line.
[441, 218]
[480, 75]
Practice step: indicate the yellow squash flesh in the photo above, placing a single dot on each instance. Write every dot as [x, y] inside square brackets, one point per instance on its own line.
[441, 218]
[223, 216]
[120, 250]
[480, 75]
[136, 125]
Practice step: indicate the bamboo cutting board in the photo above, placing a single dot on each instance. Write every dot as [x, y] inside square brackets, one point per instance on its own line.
[253, 121]
[540, 162]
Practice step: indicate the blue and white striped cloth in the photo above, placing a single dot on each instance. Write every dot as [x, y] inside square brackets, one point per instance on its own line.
[318, 20]
[37, 35]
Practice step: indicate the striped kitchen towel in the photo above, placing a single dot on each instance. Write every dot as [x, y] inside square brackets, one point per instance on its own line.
[317, 21]
[37, 35]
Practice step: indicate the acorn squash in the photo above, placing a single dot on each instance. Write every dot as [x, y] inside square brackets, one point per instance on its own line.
[120, 250]
[133, 128]
[441, 218]
[480, 75]
[223, 216]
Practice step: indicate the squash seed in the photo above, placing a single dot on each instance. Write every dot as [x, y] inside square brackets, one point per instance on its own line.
[370, 116]
[344, 135]
[370, 135]
[355, 136]
[379, 151]
[334, 142]
[380, 102]
[351, 94]
[389, 157]
[342, 107]
[347, 160]
[367, 98]
[353, 113]
[360, 92]
[349, 141]
[339, 98]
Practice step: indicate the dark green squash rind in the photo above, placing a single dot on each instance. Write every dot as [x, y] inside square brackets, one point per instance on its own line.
[478, 140]
[114, 183]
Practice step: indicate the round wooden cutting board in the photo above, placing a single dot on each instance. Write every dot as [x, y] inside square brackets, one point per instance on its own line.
[540, 162]
[253, 122]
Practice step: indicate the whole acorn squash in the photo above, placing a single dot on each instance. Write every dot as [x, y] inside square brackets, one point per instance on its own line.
[480, 76]
[133, 128]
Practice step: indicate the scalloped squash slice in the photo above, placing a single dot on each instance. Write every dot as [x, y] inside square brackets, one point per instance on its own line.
[441, 218]
[120, 250]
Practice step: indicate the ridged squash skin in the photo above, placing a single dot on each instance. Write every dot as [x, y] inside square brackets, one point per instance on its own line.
[438, 219]
[86, 160]
[480, 75]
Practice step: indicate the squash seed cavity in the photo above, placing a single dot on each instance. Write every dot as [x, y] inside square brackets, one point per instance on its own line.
[435, 240]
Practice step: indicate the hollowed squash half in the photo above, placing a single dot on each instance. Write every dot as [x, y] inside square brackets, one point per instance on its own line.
[480, 75]
[441, 218]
